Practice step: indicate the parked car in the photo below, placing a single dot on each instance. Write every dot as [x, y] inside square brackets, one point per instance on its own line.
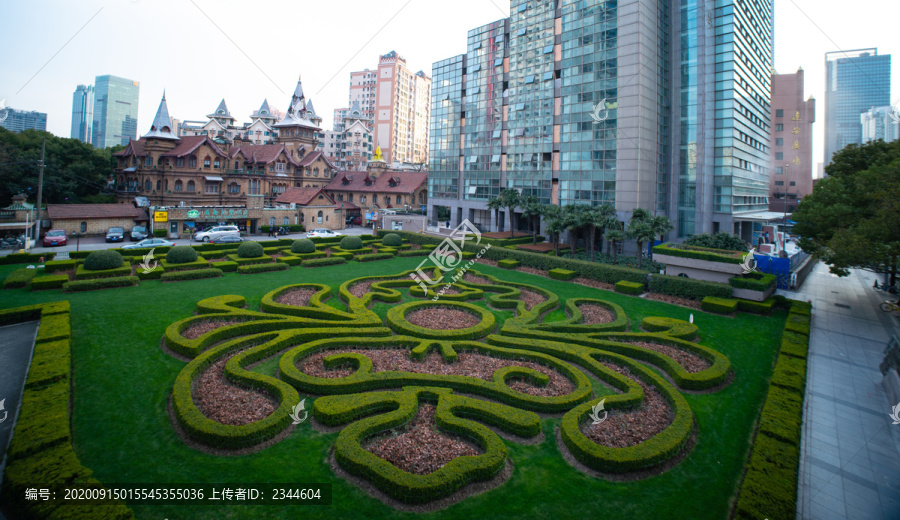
[150, 242]
[138, 233]
[217, 232]
[321, 233]
[115, 234]
[356, 221]
[56, 237]
[225, 239]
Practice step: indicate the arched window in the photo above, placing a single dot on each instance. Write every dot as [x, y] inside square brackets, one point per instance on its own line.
[285, 221]
[272, 221]
[234, 188]
[206, 162]
[84, 227]
[298, 185]
[316, 172]
[158, 185]
[192, 161]
[320, 217]
[307, 172]
[399, 199]
[216, 164]
[179, 186]
[190, 186]
[148, 185]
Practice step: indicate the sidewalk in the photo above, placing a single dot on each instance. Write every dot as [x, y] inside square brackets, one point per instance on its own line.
[850, 451]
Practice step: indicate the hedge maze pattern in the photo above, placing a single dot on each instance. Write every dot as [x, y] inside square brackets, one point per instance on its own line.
[604, 363]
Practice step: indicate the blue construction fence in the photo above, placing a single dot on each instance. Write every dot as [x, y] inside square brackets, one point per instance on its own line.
[780, 267]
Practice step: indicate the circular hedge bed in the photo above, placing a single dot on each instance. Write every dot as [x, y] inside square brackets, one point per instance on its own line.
[103, 260]
[181, 255]
[250, 250]
[351, 243]
[303, 246]
[392, 240]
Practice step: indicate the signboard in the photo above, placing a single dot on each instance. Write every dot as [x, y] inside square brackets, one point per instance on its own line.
[193, 214]
[160, 216]
[370, 215]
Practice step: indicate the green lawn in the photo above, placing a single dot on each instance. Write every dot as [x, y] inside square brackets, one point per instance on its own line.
[122, 431]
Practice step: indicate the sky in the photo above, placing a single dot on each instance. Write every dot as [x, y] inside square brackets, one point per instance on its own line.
[200, 51]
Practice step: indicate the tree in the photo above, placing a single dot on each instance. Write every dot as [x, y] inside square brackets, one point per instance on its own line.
[639, 229]
[510, 199]
[660, 224]
[614, 236]
[852, 218]
[532, 209]
[495, 204]
[597, 219]
[574, 220]
[555, 224]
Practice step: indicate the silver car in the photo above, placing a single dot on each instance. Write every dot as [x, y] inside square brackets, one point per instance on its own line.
[217, 232]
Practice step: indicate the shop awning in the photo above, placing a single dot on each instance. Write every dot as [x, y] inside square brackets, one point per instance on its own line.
[214, 178]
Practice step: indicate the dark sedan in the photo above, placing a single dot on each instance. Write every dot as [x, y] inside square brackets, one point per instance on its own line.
[115, 234]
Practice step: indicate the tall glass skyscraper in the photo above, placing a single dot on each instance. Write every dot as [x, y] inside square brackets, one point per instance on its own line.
[115, 111]
[83, 113]
[855, 81]
[21, 120]
[653, 104]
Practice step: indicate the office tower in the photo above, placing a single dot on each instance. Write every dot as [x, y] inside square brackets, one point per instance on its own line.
[660, 105]
[855, 81]
[880, 123]
[21, 120]
[83, 113]
[115, 111]
[792, 117]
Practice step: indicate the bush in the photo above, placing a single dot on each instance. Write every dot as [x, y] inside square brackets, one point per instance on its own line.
[197, 274]
[374, 256]
[414, 252]
[699, 253]
[263, 268]
[508, 264]
[392, 240]
[25, 258]
[754, 281]
[250, 250]
[350, 243]
[48, 282]
[101, 283]
[303, 246]
[757, 307]
[60, 265]
[564, 274]
[343, 254]
[719, 305]
[320, 262]
[687, 288]
[160, 233]
[19, 278]
[103, 260]
[155, 274]
[83, 274]
[181, 255]
[226, 267]
[200, 263]
[720, 240]
[290, 260]
[629, 288]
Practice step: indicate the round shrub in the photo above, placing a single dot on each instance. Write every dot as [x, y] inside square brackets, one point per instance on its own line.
[102, 260]
[181, 255]
[351, 243]
[303, 246]
[392, 240]
[250, 250]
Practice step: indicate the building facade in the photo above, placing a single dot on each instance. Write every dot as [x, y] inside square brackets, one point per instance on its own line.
[351, 147]
[21, 120]
[660, 105]
[791, 154]
[880, 123]
[855, 81]
[339, 115]
[115, 111]
[83, 113]
[377, 189]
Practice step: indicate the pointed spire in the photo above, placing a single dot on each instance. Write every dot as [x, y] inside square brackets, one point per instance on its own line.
[309, 107]
[221, 112]
[297, 112]
[264, 108]
[162, 123]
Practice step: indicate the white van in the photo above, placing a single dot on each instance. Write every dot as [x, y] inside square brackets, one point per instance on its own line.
[216, 232]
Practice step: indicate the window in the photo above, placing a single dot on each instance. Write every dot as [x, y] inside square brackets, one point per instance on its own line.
[779, 113]
[206, 162]
[272, 221]
[148, 185]
[216, 164]
[350, 198]
[399, 199]
[212, 187]
[234, 188]
[779, 170]
[179, 162]
[191, 186]
[779, 141]
[374, 199]
[285, 222]
[236, 167]
[84, 227]
[316, 172]
[779, 127]
[362, 199]
[779, 156]
[340, 197]
[158, 185]
[320, 217]
[279, 167]
[192, 161]
[179, 186]
[792, 183]
[779, 183]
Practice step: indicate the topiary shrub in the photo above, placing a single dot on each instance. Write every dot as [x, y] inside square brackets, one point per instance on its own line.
[719, 305]
[181, 255]
[160, 233]
[508, 264]
[103, 260]
[250, 250]
[631, 288]
[351, 243]
[562, 274]
[392, 240]
[303, 246]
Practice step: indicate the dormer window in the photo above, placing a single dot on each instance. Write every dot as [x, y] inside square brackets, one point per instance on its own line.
[279, 167]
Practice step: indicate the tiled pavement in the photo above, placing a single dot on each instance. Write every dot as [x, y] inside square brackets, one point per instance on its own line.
[850, 451]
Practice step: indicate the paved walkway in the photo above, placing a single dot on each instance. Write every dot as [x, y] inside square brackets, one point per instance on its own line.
[850, 452]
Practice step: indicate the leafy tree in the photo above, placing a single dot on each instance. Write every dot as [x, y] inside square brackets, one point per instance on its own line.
[510, 199]
[639, 229]
[532, 209]
[597, 218]
[495, 204]
[553, 214]
[574, 221]
[720, 240]
[614, 236]
[852, 218]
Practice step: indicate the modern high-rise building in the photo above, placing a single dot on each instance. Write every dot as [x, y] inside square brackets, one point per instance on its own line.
[397, 101]
[661, 105]
[791, 154]
[855, 81]
[115, 111]
[880, 123]
[21, 120]
[339, 115]
[83, 113]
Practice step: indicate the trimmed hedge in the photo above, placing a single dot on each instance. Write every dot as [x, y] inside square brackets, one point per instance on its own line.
[719, 305]
[250, 250]
[25, 258]
[303, 246]
[60, 265]
[798, 323]
[103, 260]
[629, 288]
[351, 243]
[754, 281]
[181, 255]
[564, 274]
[686, 288]
[262, 259]
[700, 253]
[508, 264]
[49, 282]
[197, 274]
[414, 252]
[19, 278]
[373, 257]
[155, 274]
[396, 319]
[392, 240]
[344, 255]
[290, 260]
[321, 262]
[225, 267]
[101, 283]
[263, 268]
[200, 263]
[83, 273]
[752, 307]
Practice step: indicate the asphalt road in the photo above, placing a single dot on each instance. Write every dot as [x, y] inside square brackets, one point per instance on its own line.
[16, 342]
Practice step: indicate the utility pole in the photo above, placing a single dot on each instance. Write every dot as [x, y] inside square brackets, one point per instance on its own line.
[40, 194]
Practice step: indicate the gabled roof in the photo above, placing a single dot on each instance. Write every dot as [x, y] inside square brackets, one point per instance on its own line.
[262, 153]
[162, 123]
[90, 211]
[132, 148]
[404, 182]
[304, 197]
[191, 143]
[312, 157]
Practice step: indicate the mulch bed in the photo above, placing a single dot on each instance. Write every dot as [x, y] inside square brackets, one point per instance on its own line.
[296, 297]
[443, 318]
[200, 328]
[468, 364]
[220, 259]
[622, 429]
[360, 289]
[542, 247]
[690, 361]
[587, 282]
[532, 270]
[674, 300]
[227, 403]
[595, 314]
[471, 278]
[505, 234]
[420, 448]
[531, 298]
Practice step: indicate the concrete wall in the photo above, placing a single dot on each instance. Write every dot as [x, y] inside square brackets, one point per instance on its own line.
[95, 227]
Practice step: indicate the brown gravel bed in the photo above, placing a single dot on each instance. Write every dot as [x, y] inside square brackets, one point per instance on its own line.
[200, 328]
[360, 289]
[531, 298]
[594, 314]
[468, 364]
[443, 318]
[690, 361]
[622, 429]
[485, 261]
[297, 297]
[471, 278]
[674, 300]
[220, 259]
[587, 282]
[420, 448]
[227, 403]
[532, 270]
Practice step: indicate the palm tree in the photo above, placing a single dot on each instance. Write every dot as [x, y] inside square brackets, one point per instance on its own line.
[495, 204]
[573, 221]
[597, 218]
[510, 199]
[555, 224]
[613, 236]
[640, 230]
[532, 210]
[660, 225]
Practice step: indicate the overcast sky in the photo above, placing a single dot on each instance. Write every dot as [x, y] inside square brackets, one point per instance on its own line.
[203, 50]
